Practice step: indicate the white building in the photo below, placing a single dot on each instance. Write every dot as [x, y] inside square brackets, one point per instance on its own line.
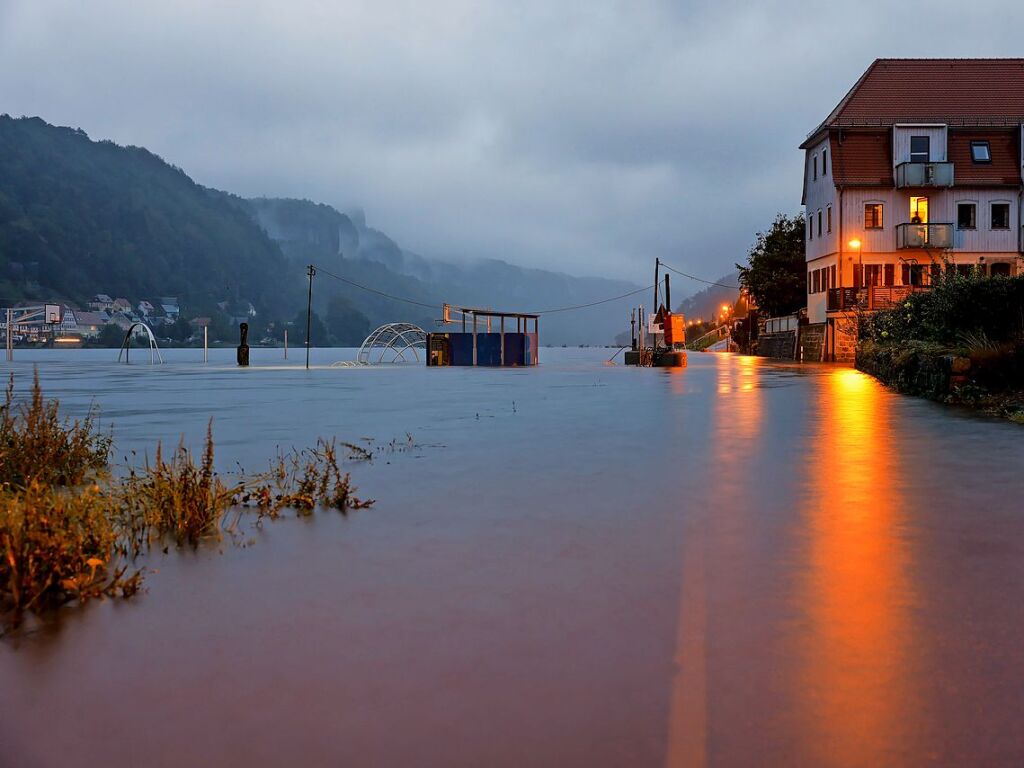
[918, 168]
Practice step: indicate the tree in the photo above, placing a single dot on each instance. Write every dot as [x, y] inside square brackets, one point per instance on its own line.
[345, 323]
[317, 331]
[776, 272]
[110, 335]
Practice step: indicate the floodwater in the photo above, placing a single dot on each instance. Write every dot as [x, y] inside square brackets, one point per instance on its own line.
[738, 563]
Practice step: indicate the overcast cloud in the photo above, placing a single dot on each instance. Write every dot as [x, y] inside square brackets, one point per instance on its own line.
[583, 136]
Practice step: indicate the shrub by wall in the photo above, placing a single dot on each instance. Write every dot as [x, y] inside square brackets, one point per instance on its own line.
[956, 311]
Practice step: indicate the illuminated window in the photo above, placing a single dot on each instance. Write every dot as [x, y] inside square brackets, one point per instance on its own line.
[966, 216]
[1000, 215]
[872, 215]
[980, 152]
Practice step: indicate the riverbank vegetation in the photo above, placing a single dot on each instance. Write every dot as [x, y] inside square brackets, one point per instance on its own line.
[961, 341]
[72, 526]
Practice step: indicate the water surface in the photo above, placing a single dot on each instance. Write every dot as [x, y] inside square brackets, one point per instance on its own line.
[739, 563]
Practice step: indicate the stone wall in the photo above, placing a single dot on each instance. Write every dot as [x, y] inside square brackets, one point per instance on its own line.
[779, 345]
[812, 342]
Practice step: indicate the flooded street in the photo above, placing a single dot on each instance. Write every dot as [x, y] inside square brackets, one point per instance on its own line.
[737, 563]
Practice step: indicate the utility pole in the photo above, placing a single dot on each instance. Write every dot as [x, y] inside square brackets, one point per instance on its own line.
[309, 309]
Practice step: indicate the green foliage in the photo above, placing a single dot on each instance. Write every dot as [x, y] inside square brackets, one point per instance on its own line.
[69, 530]
[110, 336]
[775, 274]
[346, 324]
[37, 444]
[317, 330]
[78, 217]
[955, 310]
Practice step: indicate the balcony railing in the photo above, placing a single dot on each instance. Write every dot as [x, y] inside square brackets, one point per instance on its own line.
[924, 175]
[872, 298]
[924, 235]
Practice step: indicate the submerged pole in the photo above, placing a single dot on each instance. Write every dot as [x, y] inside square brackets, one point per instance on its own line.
[309, 310]
[657, 265]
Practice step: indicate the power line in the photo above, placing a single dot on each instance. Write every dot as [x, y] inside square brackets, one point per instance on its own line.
[374, 290]
[699, 279]
[593, 303]
[435, 306]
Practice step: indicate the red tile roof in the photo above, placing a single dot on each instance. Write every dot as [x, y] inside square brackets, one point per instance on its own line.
[861, 157]
[1003, 146]
[950, 91]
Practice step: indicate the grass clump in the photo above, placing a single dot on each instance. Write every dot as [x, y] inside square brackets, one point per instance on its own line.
[56, 547]
[174, 496]
[70, 529]
[36, 443]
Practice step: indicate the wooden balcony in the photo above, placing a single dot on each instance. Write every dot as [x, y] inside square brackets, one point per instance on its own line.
[870, 299]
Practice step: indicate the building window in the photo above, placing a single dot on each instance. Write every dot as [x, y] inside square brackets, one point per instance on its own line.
[966, 216]
[920, 149]
[815, 161]
[980, 152]
[999, 269]
[819, 222]
[824, 162]
[828, 218]
[810, 226]
[832, 276]
[872, 215]
[1000, 215]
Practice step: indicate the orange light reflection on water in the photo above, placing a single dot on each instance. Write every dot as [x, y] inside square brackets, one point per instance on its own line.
[856, 591]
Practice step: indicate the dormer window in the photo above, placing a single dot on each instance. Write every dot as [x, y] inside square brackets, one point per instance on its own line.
[981, 152]
[920, 149]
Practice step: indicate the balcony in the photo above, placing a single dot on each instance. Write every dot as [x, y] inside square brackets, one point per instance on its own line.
[924, 175]
[924, 235]
[869, 299]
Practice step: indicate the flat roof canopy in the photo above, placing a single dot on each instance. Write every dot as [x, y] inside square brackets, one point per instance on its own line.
[492, 313]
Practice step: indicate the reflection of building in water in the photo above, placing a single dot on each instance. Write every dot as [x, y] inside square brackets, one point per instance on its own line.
[858, 647]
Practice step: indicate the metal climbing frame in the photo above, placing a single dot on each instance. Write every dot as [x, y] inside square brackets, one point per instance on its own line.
[154, 350]
[394, 339]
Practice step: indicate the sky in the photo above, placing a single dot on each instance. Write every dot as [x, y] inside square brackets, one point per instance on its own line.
[587, 137]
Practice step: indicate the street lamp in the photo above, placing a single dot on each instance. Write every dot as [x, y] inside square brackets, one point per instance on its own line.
[855, 243]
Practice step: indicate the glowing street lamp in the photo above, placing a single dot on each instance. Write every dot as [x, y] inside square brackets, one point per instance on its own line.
[855, 243]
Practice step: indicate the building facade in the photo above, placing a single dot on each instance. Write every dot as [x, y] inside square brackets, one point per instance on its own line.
[919, 168]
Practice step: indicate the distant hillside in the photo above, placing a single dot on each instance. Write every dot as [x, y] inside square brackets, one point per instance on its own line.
[79, 217]
[343, 243]
[706, 303]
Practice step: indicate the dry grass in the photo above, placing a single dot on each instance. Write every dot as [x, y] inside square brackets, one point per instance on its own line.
[69, 530]
[58, 546]
[35, 443]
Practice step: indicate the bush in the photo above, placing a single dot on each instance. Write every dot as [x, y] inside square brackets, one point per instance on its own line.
[988, 308]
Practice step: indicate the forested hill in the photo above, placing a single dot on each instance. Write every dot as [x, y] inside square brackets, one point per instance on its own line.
[343, 243]
[80, 217]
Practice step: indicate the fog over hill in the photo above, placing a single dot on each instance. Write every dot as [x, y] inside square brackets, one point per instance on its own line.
[80, 217]
[347, 246]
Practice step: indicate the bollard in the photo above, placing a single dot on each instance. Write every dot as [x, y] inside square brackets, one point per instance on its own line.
[243, 347]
